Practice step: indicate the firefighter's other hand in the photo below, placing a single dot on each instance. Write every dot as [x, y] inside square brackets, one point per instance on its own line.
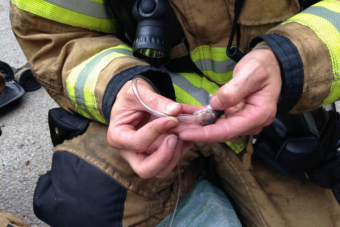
[143, 140]
[249, 100]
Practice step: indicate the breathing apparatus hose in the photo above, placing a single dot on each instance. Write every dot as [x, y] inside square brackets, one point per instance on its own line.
[173, 213]
[158, 114]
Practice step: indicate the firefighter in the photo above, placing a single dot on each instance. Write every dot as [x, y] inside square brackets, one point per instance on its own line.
[121, 170]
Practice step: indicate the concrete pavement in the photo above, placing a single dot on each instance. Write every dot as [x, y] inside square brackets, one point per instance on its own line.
[25, 147]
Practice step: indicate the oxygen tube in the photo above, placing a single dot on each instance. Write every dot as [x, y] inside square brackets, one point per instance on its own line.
[204, 117]
[173, 213]
[151, 28]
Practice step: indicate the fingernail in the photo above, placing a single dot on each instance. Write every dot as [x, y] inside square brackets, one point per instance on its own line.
[172, 142]
[171, 123]
[171, 107]
[215, 103]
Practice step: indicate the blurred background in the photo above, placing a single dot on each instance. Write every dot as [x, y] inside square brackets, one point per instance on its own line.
[25, 145]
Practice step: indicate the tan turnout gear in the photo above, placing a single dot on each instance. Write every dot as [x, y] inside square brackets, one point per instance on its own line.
[81, 69]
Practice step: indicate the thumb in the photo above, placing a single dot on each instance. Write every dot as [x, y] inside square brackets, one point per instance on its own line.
[156, 101]
[235, 90]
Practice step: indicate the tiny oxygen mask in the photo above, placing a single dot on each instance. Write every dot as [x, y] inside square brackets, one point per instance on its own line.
[206, 116]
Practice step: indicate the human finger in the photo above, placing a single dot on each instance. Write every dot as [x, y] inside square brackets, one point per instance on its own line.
[174, 161]
[183, 147]
[255, 131]
[233, 110]
[147, 166]
[245, 81]
[126, 137]
[186, 144]
[157, 102]
[190, 109]
[184, 126]
[226, 128]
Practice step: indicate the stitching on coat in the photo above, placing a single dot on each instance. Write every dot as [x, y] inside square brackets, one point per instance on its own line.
[238, 174]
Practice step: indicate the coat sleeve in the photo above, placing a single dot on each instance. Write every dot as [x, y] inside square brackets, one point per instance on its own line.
[82, 70]
[308, 49]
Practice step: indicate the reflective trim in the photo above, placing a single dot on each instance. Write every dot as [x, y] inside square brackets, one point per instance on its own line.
[81, 83]
[219, 78]
[215, 66]
[237, 148]
[183, 96]
[199, 94]
[195, 86]
[71, 13]
[213, 63]
[324, 19]
[331, 16]
[99, 1]
[87, 7]
[332, 5]
[201, 82]
[208, 52]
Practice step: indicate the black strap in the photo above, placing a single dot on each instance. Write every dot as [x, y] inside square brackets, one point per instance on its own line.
[337, 194]
[234, 53]
[307, 3]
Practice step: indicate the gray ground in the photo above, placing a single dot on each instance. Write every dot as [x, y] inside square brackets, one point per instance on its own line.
[25, 146]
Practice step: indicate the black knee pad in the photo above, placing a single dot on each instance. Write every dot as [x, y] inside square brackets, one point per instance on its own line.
[75, 193]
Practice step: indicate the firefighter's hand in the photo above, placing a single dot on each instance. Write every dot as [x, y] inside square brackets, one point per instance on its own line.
[249, 100]
[143, 140]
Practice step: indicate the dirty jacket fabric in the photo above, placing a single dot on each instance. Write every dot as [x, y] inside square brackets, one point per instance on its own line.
[83, 67]
[86, 69]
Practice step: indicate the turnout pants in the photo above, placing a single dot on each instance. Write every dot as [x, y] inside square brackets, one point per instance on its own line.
[91, 185]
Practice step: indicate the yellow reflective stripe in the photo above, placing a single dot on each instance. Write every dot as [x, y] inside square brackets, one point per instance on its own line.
[237, 148]
[333, 5]
[71, 82]
[71, 91]
[81, 83]
[99, 1]
[184, 97]
[219, 78]
[122, 46]
[199, 94]
[90, 86]
[53, 12]
[203, 52]
[82, 112]
[213, 63]
[330, 35]
[201, 82]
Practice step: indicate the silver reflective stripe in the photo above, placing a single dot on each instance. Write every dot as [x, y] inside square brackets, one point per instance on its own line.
[87, 7]
[81, 80]
[199, 94]
[215, 66]
[331, 16]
